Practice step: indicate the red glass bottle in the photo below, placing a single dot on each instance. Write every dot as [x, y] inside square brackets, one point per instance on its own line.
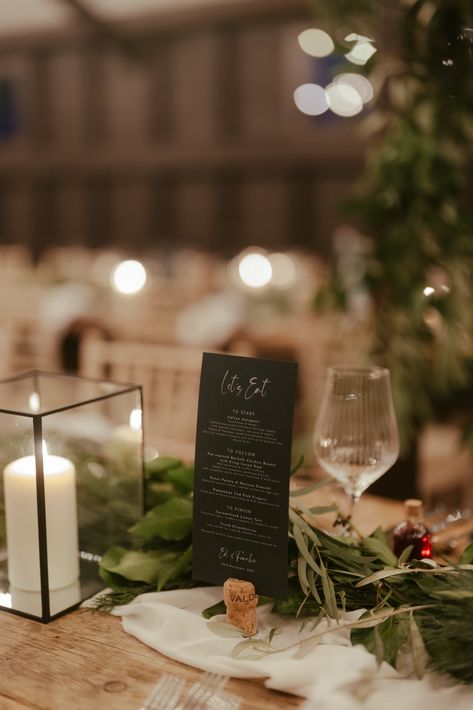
[412, 531]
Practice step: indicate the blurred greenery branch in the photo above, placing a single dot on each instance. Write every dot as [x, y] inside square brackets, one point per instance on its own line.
[413, 205]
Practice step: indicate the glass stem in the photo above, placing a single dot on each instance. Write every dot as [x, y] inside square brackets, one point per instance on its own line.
[353, 500]
[352, 505]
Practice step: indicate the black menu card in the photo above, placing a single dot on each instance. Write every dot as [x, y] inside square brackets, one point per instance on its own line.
[242, 468]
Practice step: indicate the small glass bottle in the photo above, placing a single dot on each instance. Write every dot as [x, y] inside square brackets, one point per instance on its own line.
[412, 531]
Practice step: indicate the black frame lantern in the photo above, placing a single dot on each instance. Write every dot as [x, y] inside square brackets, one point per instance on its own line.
[71, 484]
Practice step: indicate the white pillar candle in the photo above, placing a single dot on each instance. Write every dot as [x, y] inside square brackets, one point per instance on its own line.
[21, 515]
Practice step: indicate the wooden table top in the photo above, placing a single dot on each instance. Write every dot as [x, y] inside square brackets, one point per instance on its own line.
[85, 660]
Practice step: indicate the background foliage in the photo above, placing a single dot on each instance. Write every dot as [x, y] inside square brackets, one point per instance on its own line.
[413, 203]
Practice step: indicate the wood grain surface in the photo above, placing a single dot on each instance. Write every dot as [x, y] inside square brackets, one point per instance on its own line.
[85, 661]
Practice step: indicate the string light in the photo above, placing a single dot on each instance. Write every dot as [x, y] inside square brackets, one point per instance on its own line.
[362, 51]
[316, 43]
[255, 270]
[360, 83]
[128, 277]
[311, 99]
[343, 99]
[284, 270]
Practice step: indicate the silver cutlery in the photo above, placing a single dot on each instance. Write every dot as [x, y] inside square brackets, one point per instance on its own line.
[205, 693]
[223, 702]
[165, 693]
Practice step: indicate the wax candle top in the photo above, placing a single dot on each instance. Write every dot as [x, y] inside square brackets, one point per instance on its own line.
[53, 465]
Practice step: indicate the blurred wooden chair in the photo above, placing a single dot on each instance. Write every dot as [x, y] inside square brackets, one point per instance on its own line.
[25, 346]
[170, 378]
[14, 259]
[144, 318]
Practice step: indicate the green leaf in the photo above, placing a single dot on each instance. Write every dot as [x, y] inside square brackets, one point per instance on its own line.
[251, 649]
[298, 465]
[329, 593]
[428, 563]
[221, 628]
[142, 566]
[321, 509]
[381, 574]
[455, 593]
[289, 606]
[182, 477]
[172, 568]
[312, 587]
[297, 521]
[214, 610]
[347, 553]
[377, 547]
[112, 558]
[391, 632]
[380, 535]
[275, 631]
[170, 521]
[467, 557]
[158, 492]
[404, 556]
[378, 646]
[124, 595]
[377, 616]
[302, 572]
[419, 653]
[156, 468]
[304, 550]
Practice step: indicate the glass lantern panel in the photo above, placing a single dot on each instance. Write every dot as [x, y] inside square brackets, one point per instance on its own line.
[40, 392]
[99, 490]
[19, 540]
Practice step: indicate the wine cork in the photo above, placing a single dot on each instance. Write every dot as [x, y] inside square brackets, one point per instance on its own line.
[413, 507]
[241, 599]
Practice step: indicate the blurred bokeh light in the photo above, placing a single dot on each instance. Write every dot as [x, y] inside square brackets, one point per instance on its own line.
[255, 270]
[129, 277]
[316, 43]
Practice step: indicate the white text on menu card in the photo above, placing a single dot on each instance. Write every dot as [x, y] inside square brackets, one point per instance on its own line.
[231, 384]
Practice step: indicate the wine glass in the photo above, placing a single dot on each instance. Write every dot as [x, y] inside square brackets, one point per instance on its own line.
[356, 438]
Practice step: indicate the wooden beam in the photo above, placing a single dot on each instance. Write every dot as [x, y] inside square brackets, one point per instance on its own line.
[161, 119]
[38, 115]
[227, 83]
[166, 22]
[104, 29]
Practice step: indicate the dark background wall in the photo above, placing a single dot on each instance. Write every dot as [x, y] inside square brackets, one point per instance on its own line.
[170, 132]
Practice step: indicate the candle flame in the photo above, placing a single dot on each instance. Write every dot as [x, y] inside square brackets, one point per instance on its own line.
[34, 402]
[135, 419]
[45, 450]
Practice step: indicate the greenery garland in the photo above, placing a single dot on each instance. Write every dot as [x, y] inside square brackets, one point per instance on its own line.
[412, 201]
[419, 611]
